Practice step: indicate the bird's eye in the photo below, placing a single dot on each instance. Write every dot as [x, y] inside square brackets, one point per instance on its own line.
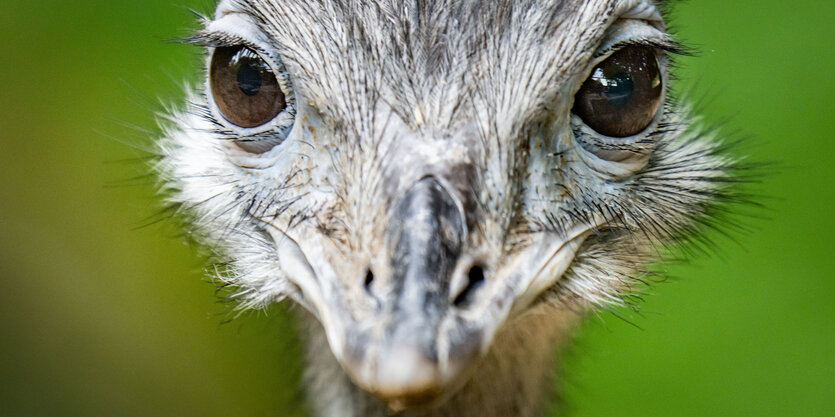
[244, 87]
[622, 95]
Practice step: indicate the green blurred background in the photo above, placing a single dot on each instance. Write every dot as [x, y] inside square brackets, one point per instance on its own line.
[104, 317]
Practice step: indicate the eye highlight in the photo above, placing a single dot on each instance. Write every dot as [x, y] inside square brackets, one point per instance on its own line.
[244, 87]
[623, 93]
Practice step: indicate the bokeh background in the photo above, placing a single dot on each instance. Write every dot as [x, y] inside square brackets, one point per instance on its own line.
[104, 314]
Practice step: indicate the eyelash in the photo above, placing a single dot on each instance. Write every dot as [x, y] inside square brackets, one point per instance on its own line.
[669, 46]
[208, 39]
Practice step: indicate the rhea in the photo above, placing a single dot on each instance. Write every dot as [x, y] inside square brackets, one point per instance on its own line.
[444, 187]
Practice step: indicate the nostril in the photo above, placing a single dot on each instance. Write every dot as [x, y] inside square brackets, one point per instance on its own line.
[475, 279]
[369, 279]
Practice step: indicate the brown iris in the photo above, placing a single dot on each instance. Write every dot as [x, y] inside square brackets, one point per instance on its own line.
[622, 95]
[244, 87]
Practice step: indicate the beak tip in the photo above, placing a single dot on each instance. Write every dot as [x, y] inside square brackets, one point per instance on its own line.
[401, 376]
[402, 370]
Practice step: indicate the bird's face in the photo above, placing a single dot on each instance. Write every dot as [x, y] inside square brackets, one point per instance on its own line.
[418, 176]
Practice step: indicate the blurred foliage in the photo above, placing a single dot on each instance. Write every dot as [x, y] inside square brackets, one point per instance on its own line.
[105, 316]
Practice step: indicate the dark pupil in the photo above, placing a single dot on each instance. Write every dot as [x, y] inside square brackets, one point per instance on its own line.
[249, 78]
[618, 88]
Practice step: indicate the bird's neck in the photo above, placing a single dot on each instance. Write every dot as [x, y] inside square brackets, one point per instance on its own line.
[514, 379]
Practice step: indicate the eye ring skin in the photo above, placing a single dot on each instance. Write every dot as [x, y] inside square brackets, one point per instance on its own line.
[612, 163]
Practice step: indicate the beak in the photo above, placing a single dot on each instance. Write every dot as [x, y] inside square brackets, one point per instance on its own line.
[430, 313]
[408, 361]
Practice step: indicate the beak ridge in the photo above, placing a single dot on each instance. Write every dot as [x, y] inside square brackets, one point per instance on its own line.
[426, 234]
[425, 238]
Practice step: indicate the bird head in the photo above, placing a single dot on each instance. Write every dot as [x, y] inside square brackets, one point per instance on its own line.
[419, 175]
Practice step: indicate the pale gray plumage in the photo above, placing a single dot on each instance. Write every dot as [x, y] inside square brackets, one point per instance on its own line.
[427, 194]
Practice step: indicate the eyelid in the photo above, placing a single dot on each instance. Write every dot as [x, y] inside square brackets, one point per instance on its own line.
[231, 29]
[630, 31]
[643, 10]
